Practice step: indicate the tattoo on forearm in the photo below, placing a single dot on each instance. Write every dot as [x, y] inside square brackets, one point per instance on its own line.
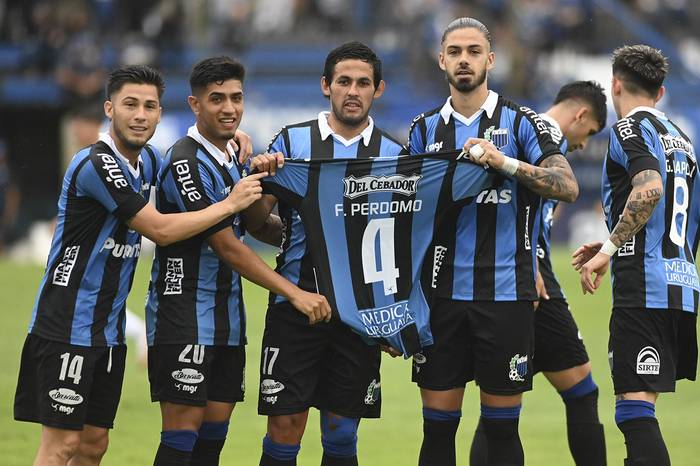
[646, 193]
[552, 180]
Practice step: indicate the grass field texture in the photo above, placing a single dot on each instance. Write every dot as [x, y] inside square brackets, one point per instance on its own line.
[394, 439]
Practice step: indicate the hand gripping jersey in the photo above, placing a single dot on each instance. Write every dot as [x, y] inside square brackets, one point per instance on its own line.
[656, 267]
[368, 225]
[486, 250]
[82, 297]
[194, 297]
[548, 207]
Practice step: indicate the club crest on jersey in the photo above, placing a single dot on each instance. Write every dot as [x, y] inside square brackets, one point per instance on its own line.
[673, 144]
[648, 361]
[498, 137]
[373, 392]
[518, 368]
[61, 275]
[401, 184]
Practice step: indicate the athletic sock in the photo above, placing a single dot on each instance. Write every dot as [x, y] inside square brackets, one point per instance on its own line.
[478, 454]
[584, 430]
[439, 430]
[278, 454]
[636, 420]
[336, 461]
[210, 442]
[503, 440]
[175, 447]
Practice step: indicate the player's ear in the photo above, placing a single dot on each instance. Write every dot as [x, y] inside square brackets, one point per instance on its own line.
[581, 114]
[616, 86]
[194, 104]
[325, 87]
[660, 94]
[490, 60]
[441, 61]
[109, 107]
[379, 89]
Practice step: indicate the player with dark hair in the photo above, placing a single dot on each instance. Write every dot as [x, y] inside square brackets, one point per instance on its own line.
[73, 359]
[327, 366]
[482, 278]
[578, 112]
[195, 314]
[649, 176]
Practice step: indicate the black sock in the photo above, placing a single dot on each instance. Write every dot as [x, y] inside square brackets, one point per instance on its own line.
[503, 441]
[206, 452]
[438, 448]
[334, 461]
[584, 430]
[169, 456]
[478, 455]
[645, 445]
[267, 460]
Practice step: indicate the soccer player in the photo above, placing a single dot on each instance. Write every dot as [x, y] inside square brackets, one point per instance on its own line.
[195, 313]
[649, 176]
[73, 358]
[327, 366]
[579, 111]
[483, 269]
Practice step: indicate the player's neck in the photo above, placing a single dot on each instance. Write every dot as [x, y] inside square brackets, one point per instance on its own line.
[559, 114]
[631, 102]
[468, 103]
[216, 142]
[130, 153]
[345, 131]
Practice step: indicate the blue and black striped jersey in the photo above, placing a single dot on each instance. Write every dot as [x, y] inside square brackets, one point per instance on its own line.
[82, 297]
[194, 297]
[548, 207]
[486, 250]
[656, 267]
[315, 140]
[371, 223]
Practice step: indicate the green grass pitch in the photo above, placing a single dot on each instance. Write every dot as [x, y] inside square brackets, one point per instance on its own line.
[394, 439]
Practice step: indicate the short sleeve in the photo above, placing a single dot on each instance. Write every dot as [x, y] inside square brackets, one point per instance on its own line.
[635, 152]
[416, 136]
[290, 183]
[279, 143]
[534, 137]
[103, 179]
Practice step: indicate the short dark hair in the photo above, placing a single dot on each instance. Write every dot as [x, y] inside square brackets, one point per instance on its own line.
[591, 92]
[464, 23]
[134, 74]
[353, 51]
[642, 68]
[215, 70]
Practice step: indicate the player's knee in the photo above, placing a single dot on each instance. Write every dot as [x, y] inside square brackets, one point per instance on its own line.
[287, 429]
[339, 435]
[64, 448]
[94, 446]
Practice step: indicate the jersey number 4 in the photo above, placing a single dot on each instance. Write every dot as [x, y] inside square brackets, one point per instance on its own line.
[382, 228]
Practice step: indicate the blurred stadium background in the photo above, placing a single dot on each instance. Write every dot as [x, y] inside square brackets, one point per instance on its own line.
[54, 57]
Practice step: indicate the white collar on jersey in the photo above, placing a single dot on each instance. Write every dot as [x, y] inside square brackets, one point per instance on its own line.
[652, 110]
[489, 106]
[551, 121]
[326, 131]
[220, 157]
[107, 139]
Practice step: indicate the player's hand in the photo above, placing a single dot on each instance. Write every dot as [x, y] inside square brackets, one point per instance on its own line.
[541, 289]
[268, 162]
[598, 265]
[584, 254]
[312, 305]
[492, 157]
[390, 350]
[245, 192]
[245, 145]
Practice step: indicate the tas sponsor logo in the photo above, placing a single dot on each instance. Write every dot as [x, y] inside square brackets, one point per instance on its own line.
[66, 396]
[188, 376]
[61, 275]
[648, 361]
[494, 196]
[438, 257]
[121, 250]
[518, 368]
[186, 182]
[373, 392]
[113, 172]
[400, 184]
[270, 387]
[174, 274]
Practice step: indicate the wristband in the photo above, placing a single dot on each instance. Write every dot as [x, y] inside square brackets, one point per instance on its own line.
[609, 248]
[510, 166]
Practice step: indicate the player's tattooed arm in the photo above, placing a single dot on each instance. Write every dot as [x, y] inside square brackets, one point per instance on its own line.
[553, 179]
[647, 189]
